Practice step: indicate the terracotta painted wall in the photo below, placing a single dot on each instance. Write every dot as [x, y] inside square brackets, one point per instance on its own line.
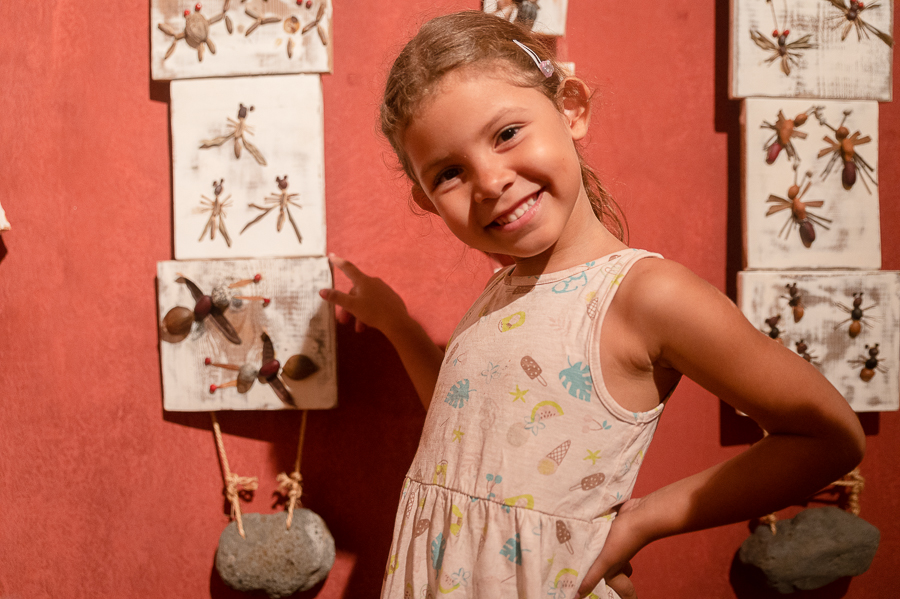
[102, 494]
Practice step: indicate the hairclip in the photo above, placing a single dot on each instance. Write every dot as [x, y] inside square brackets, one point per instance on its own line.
[545, 66]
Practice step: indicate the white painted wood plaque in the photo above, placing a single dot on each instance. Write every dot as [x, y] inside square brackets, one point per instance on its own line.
[826, 301]
[833, 49]
[550, 14]
[846, 225]
[256, 37]
[297, 321]
[281, 135]
[4, 224]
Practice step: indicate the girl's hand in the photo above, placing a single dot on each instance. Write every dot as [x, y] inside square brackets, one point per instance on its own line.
[612, 564]
[370, 301]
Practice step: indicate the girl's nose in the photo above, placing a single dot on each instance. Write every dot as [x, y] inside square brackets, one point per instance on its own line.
[492, 178]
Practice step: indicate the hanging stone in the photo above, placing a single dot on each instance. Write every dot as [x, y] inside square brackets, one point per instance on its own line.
[275, 559]
[814, 548]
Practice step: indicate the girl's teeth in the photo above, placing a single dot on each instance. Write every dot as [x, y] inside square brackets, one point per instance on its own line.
[518, 213]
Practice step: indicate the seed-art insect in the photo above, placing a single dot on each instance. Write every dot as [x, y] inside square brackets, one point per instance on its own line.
[258, 20]
[267, 373]
[523, 12]
[204, 306]
[317, 24]
[789, 53]
[774, 332]
[845, 149]
[803, 350]
[281, 200]
[852, 17]
[216, 209]
[869, 363]
[785, 130]
[196, 30]
[795, 301]
[800, 216]
[858, 317]
[239, 131]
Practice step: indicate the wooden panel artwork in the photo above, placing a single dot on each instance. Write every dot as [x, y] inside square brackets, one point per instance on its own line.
[547, 17]
[218, 38]
[830, 219]
[4, 224]
[811, 49]
[222, 323]
[846, 323]
[248, 167]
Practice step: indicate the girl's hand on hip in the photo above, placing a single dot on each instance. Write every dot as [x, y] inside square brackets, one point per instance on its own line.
[612, 565]
[370, 301]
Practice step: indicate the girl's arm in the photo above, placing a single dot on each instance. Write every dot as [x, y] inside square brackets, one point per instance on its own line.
[373, 303]
[814, 437]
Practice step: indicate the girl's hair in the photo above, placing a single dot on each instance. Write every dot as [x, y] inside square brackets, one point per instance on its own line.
[465, 39]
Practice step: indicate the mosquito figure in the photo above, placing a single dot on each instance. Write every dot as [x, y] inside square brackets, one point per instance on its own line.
[785, 129]
[789, 53]
[852, 17]
[857, 315]
[196, 30]
[800, 216]
[525, 11]
[845, 149]
[248, 373]
[869, 363]
[283, 201]
[216, 209]
[239, 131]
[795, 301]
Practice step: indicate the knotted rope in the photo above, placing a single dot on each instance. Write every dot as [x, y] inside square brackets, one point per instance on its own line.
[292, 485]
[234, 484]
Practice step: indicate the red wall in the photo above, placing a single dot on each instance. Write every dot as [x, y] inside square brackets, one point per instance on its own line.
[103, 494]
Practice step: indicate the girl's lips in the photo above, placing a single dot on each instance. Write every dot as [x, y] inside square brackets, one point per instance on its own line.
[518, 217]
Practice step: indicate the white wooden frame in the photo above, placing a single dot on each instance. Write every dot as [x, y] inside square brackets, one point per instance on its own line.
[551, 19]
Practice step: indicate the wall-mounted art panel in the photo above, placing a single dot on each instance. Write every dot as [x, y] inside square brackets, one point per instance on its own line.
[246, 335]
[846, 323]
[219, 38]
[547, 17]
[810, 184]
[811, 49]
[248, 167]
[4, 224]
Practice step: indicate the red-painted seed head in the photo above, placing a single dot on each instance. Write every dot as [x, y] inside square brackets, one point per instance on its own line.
[775, 33]
[212, 388]
[266, 302]
[207, 361]
[187, 13]
[787, 32]
[257, 278]
[308, 3]
[198, 6]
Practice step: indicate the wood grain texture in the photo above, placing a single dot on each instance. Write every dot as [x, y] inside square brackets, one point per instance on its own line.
[551, 18]
[854, 238]
[845, 69]
[287, 123]
[763, 294]
[297, 320]
[4, 224]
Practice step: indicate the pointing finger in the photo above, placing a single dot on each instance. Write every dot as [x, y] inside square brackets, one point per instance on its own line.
[347, 267]
[344, 300]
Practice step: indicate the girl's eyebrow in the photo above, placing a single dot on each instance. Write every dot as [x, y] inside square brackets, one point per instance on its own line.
[497, 117]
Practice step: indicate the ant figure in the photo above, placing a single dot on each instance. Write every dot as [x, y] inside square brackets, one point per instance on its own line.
[787, 52]
[869, 364]
[774, 332]
[803, 350]
[857, 314]
[795, 301]
[845, 149]
[785, 130]
[853, 16]
[799, 215]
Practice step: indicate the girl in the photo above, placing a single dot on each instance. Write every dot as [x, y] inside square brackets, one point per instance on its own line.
[542, 408]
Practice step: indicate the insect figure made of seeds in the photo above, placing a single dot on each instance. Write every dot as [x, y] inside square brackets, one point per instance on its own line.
[239, 131]
[851, 17]
[800, 215]
[858, 317]
[869, 363]
[789, 53]
[196, 30]
[216, 209]
[258, 19]
[843, 147]
[177, 321]
[292, 25]
[281, 200]
[523, 12]
[785, 130]
[267, 373]
[795, 301]
[774, 332]
[803, 351]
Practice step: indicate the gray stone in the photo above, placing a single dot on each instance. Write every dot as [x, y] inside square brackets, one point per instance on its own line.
[272, 558]
[816, 547]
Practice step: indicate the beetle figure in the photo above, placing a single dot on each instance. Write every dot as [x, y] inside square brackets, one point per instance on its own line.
[803, 350]
[774, 332]
[800, 216]
[845, 148]
[248, 373]
[196, 30]
[857, 314]
[523, 12]
[216, 209]
[780, 48]
[795, 301]
[785, 129]
[239, 132]
[869, 364]
[852, 17]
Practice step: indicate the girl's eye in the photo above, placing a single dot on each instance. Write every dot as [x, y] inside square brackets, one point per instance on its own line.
[446, 175]
[507, 134]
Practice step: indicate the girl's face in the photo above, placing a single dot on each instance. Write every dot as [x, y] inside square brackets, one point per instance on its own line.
[497, 162]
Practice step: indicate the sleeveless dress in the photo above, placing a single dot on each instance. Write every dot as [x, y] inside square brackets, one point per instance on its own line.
[524, 456]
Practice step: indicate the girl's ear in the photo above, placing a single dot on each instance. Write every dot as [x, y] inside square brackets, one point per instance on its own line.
[574, 101]
[422, 200]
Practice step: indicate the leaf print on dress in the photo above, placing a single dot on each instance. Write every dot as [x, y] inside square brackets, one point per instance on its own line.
[459, 394]
[438, 545]
[577, 380]
[512, 550]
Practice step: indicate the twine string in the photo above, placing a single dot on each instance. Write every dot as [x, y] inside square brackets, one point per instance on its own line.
[234, 484]
[292, 485]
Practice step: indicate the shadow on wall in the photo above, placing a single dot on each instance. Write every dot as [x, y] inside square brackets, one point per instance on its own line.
[750, 583]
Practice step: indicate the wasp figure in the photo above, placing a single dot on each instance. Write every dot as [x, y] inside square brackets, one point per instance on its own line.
[785, 130]
[800, 216]
[843, 147]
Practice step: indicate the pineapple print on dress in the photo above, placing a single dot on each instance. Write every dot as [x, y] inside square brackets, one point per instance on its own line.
[554, 459]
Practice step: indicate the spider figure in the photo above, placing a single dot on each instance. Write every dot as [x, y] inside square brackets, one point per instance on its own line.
[857, 315]
[216, 209]
[844, 147]
[239, 131]
[800, 216]
[789, 53]
[868, 363]
[283, 201]
[523, 12]
[196, 30]
[852, 17]
[785, 130]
